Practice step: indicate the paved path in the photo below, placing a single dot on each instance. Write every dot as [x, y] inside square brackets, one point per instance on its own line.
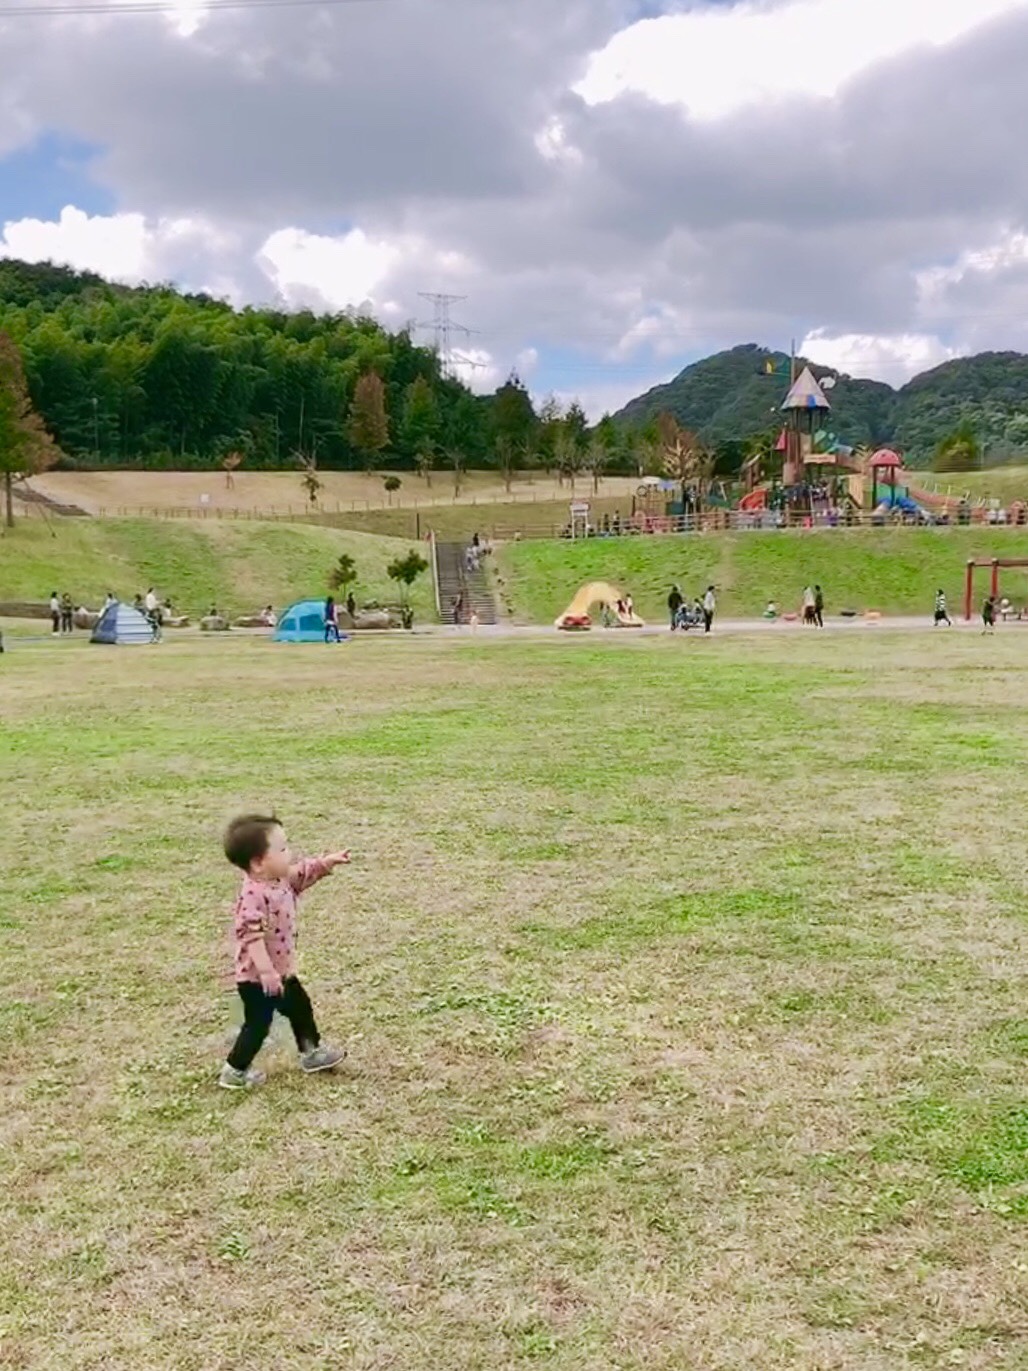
[722, 628]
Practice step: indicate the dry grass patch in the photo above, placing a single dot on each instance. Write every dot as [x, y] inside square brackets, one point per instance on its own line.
[684, 995]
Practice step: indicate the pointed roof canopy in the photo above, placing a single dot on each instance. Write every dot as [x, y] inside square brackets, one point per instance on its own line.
[806, 393]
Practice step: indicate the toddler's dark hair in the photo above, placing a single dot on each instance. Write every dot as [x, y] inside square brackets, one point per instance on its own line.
[246, 838]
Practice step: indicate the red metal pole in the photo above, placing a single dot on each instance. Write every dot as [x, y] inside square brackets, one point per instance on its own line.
[995, 579]
[968, 590]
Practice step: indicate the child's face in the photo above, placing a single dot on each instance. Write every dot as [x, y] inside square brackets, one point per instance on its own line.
[274, 865]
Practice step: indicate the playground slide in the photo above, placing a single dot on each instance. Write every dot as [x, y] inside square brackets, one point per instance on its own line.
[753, 502]
[932, 500]
[577, 615]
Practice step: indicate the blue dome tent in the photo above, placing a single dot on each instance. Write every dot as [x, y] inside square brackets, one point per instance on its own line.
[120, 624]
[303, 622]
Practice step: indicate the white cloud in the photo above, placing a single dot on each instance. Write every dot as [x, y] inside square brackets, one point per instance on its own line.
[343, 271]
[715, 60]
[891, 359]
[123, 247]
[113, 245]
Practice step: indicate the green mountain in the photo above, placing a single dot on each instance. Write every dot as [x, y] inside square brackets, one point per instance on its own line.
[731, 396]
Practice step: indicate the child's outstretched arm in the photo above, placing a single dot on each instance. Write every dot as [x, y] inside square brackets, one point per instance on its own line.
[309, 870]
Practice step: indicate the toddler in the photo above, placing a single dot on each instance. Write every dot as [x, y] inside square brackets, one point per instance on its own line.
[264, 937]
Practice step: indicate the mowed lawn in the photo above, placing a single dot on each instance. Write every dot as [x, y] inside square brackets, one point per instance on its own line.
[685, 985]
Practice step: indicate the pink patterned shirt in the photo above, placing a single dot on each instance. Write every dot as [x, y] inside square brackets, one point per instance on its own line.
[266, 912]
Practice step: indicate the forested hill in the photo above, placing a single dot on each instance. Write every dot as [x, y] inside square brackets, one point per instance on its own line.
[147, 376]
[731, 396]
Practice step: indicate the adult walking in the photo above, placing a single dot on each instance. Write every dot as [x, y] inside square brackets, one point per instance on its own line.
[674, 604]
[941, 612]
[709, 609]
[819, 607]
[331, 621]
[55, 611]
[989, 615]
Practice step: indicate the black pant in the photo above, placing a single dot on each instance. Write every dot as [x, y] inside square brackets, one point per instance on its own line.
[708, 620]
[259, 1010]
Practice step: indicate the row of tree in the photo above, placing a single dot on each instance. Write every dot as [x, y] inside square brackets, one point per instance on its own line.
[153, 378]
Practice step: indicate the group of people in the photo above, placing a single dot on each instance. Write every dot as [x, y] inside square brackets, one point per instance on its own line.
[62, 612]
[813, 607]
[685, 616]
[474, 552]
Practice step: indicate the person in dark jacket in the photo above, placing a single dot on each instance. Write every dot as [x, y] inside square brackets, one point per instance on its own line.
[674, 604]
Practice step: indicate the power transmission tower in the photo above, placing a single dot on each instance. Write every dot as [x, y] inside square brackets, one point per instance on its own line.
[444, 327]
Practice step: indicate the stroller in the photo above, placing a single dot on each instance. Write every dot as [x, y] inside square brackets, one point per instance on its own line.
[688, 616]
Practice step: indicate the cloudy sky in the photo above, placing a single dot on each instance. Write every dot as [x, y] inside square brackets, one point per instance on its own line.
[617, 187]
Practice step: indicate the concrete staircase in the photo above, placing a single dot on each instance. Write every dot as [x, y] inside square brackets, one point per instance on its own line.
[454, 579]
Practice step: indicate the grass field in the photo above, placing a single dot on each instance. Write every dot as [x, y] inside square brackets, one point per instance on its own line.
[282, 492]
[896, 571]
[1002, 483]
[695, 1037]
[240, 567]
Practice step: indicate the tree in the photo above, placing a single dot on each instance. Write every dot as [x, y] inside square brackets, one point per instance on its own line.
[25, 445]
[309, 478]
[506, 457]
[513, 414]
[392, 485]
[424, 462]
[406, 570]
[343, 574]
[686, 458]
[596, 461]
[368, 425]
[568, 456]
[420, 425]
[551, 420]
[960, 451]
[457, 466]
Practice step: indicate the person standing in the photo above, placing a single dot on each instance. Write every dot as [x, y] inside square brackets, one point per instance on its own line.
[67, 613]
[55, 611]
[674, 604]
[351, 607]
[709, 608]
[331, 621]
[808, 606]
[941, 612]
[989, 615]
[819, 607]
[151, 603]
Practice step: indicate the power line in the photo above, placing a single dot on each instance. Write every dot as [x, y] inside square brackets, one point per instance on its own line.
[93, 8]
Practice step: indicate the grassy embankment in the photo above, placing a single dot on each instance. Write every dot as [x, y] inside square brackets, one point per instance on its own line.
[896, 571]
[239, 566]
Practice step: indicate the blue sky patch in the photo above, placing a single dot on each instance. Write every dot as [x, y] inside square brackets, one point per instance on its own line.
[37, 182]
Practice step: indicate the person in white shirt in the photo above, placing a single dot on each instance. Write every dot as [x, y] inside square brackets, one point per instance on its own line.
[55, 612]
[151, 601]
[709, 606]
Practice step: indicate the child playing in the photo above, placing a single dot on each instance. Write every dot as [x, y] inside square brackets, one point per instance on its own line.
[264, 937]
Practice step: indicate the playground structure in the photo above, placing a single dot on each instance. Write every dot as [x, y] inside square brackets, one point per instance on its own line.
[995, 565]
[858, 483]
[577, 618]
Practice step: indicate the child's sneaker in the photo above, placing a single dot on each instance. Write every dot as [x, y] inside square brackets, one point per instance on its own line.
[321, 1058]
[231, 1079]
